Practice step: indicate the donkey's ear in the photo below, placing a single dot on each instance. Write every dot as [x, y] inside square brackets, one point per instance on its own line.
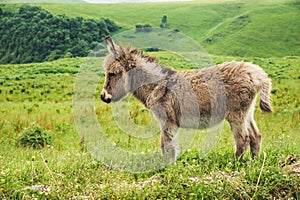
[111, 46]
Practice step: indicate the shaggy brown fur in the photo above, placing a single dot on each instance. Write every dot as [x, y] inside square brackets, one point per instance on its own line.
[191, 98]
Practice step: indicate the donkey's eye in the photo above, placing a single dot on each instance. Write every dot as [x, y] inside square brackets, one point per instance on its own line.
[111, 74]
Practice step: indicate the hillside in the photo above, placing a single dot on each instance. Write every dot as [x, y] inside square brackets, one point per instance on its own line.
[249, 28]
[256, 29]
[31, 34]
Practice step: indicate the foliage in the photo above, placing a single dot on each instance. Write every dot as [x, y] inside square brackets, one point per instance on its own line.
[143, 28]
[32, 34]
[151, 49]
[164, 21]
[34, 136]
[138, 28]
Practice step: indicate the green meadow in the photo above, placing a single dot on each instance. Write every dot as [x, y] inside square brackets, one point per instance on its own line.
[263, 32]
[249, 28]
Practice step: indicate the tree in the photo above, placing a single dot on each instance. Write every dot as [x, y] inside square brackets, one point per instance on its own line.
[68, 55]
[138, 28]
[164, 21]
[81, 48]
[111, 25]
[147, 28]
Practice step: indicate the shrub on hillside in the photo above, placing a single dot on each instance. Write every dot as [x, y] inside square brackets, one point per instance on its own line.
[143, 28]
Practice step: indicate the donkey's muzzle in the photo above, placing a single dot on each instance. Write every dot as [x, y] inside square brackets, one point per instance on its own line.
[105, 96]
[106, 100]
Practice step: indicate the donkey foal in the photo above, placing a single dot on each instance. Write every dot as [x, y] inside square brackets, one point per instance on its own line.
[190, 98]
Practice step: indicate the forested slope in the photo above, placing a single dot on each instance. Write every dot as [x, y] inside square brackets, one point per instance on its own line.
[32, 34]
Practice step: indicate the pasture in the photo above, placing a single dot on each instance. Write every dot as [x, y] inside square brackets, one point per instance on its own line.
[41, 93]
[65, 169]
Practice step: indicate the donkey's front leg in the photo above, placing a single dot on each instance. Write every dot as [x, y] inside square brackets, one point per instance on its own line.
[169, 128]
[168, 141]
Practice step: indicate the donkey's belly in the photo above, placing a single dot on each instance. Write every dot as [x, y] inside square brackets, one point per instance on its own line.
[195, 122]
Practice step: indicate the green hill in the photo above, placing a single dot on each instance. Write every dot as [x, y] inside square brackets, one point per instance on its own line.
[267, 31]
[252, 28]
[249, 28]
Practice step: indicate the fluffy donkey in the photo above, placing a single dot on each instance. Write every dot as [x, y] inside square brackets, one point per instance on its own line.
[190, 98]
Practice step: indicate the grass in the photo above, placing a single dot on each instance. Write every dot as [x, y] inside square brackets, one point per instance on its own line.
[52, 81]
[41, 93]
[67, 170]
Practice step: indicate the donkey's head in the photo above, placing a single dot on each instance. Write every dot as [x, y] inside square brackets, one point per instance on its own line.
[118, 80]
[116, 83]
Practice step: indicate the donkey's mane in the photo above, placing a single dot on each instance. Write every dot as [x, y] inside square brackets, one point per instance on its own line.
[135, 51]
[152, 63]
[130, 52]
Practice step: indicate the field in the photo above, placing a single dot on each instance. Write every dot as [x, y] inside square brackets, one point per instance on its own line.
[41, 93]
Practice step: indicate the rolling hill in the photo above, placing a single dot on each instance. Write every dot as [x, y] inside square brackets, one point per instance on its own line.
[249, 28]
[264, 29]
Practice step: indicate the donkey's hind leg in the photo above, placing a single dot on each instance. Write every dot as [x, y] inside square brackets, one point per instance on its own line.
[255, 136]
[241, 136]
[255, 139]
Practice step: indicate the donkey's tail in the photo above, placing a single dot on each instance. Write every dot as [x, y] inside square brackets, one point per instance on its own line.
[265, 100]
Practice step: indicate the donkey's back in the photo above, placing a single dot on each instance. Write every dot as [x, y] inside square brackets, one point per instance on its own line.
[229, 88]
